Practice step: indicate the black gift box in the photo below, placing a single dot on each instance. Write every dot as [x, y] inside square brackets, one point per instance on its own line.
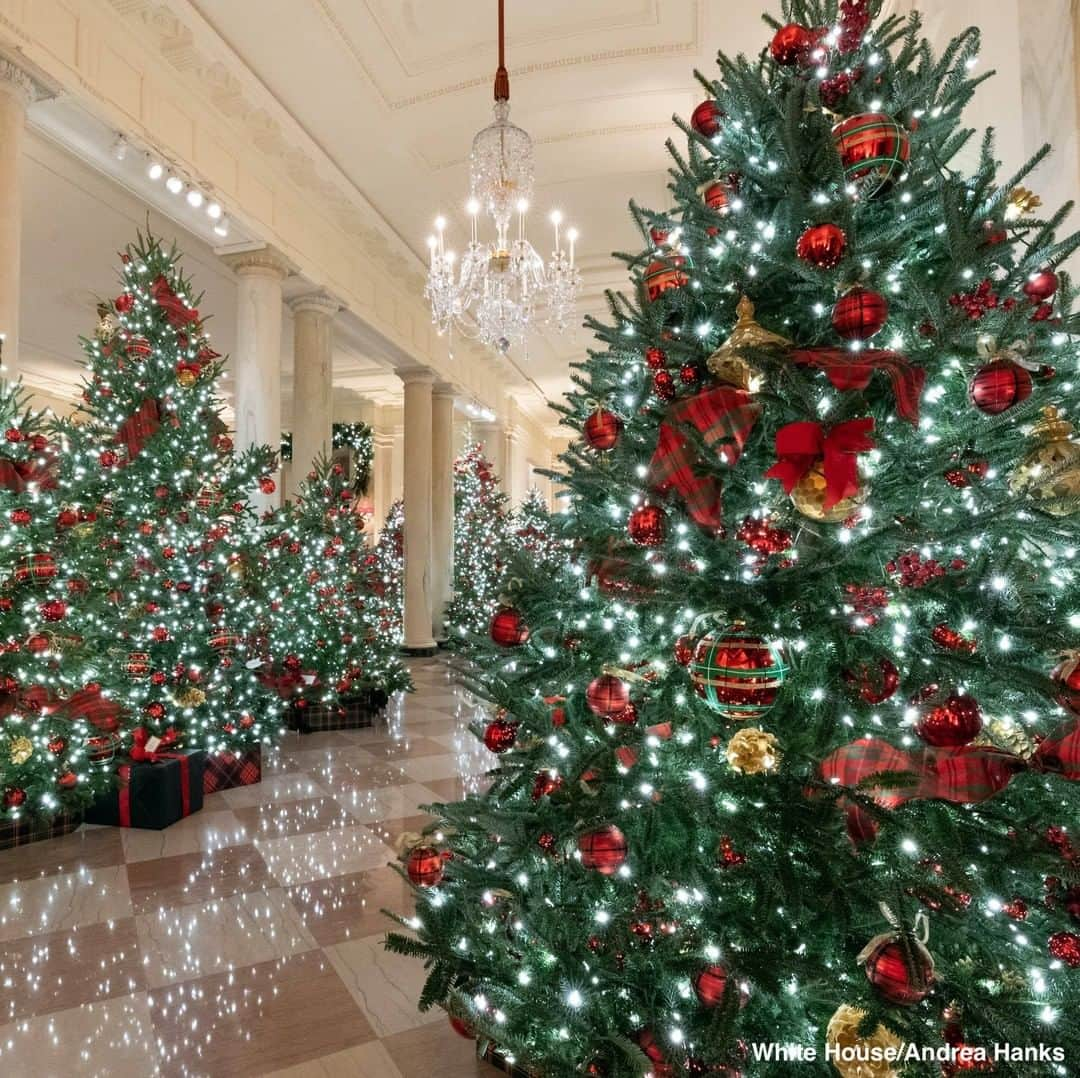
[154, 795]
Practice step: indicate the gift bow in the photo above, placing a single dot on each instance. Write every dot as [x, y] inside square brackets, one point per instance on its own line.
[966, 775]
[852, 370]
[139, 427]
[145, 746]
[724, 417]
[178, 314]
[799, 446]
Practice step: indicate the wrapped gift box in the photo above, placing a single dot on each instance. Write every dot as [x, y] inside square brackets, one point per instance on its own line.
[493, 1055]
[36, 828]
[224, 770]
[352, 712]
[154, 794]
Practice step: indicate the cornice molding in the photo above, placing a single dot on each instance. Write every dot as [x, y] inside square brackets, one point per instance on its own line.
[18, 81]
[319, 302]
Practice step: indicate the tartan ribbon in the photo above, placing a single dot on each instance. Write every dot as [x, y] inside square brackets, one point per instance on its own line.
[178, 314]
[799, 446]
[89, 704]
[852, 370]
[724, 417]
[139, 427]
[966, 775]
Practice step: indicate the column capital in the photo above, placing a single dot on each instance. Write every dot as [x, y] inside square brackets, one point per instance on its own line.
[318, 301]
[18, 81]
[261, 262]
[444, 389]
[415, 375]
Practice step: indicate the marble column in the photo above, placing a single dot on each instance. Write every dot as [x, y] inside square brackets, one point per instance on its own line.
[382, 472]
[17, 90]
[256, 360]
[442, 503]
[419, 639]
[313, 382]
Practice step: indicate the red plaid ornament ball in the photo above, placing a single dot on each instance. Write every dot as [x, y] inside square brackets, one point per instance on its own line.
[951, 722]
[35, 568]
[647, 525]
[709, 985]
[603, 849]
[738, 673]
[137, 664]
[425, 866]
[859, 314]
[999, 385]
[664, 274]
[602, 430]
[499, 735]
[902, 971]
[705, 119]
[508, 628]
[607, 695]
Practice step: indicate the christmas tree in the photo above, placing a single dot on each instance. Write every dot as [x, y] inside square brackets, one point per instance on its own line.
[481, 543]
[536, 533]
[386, 573]
[324, 620]
[51, 757]
[790, 754]
[170, 618]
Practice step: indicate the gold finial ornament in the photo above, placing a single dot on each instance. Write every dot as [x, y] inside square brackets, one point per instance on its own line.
[727, 365]
[1050, 473]
[1022, 203]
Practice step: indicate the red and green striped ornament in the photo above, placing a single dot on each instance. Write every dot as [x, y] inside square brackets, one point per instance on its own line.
[738, 673]
[873, 149]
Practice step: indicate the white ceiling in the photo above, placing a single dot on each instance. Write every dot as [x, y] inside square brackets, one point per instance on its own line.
[392, 91]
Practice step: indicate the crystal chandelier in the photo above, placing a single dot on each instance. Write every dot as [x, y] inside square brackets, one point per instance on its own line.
[499, 288]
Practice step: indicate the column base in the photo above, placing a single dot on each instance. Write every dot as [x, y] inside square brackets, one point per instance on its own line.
[424, 651]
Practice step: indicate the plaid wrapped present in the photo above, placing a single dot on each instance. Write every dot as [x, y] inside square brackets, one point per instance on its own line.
[154, 794]
[352, 712]
[36, 828]
[224, 770]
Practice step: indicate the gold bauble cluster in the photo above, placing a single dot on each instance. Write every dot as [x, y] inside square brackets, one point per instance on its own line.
[752, 751]
[1050, 473]
[843, 1033]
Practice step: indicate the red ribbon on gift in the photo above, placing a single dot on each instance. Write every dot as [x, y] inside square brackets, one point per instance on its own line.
[139, 427]
[965, 775]
[799, 446]
[725, 418]
[178, 314]
[144, 749]
[852, 370]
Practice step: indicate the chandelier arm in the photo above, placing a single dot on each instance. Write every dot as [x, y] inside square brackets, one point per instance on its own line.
[502, 76]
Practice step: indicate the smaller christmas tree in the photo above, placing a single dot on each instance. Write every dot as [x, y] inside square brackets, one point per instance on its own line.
[481, 543]
[325, 623]
[536, 532]
[51, 757]
[386, 574]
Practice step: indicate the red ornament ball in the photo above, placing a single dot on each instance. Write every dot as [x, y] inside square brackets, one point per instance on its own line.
[13, 434]
[874, 687]
[500, 735]
[664, 385]
[57, 746]
[647, 525]
[1039, 287]
[859, 314]
[902, 974]
[67, 780]
[462, 1028]
[656, 359]
[124, 302]
[1065, 947]
[709, 985]
[109, 459]
[822, 246]
[603, 849]
[37, 644]
[607, 695]
[716, 196]
[602, 430]
[873, 147]
[425, 866]
[53, 610]
[790, 44]
[689, 373]
[20, 516]
[705, 119]
[665, 274]
[267, 485]
[738, 673]
[508, 628]
[14, 796]
[999, 385]
[950, 723]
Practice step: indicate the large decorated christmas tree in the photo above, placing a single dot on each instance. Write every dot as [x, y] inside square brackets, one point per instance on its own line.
[790, 753]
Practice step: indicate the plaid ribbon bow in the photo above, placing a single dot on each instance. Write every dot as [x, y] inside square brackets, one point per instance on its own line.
[178, 314]
[724, 417]
[139, 427]
[847, 370]
[799, 446]
[966, 775]
[17, 475]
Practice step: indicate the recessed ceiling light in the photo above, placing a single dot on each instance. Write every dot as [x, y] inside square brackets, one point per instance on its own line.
[156, 170]
[195, 198]
[213, 210]
[174, 184]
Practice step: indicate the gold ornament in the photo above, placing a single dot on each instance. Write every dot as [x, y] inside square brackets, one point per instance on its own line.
[21, 749]
[108, 323]
[842, 1036]
[1007, 734]
[1050, 473]
[752, 751]
[190, 697]
[727, 365]
[187, 378]
[236, 570]
[1022, 203]
[808, 497]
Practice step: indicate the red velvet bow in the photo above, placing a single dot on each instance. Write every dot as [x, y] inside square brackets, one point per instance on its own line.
[799, 446]
[139, 427]
[178, 314]
[852, 370]
[145, 746]
[17, 475]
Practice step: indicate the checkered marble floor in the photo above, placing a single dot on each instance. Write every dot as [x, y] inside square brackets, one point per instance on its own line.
[247, 939]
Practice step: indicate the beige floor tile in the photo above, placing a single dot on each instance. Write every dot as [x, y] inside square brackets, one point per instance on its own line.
[388, 803]
[84, 848]
[112, 1038]
[50, 903]
[205, 830]
[196, 941]
[385, 985]
[278, 819]
[449, 765]
[365, 1061]
[291, 787]
[194, 878]
[300, 858]
[414, 1050]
